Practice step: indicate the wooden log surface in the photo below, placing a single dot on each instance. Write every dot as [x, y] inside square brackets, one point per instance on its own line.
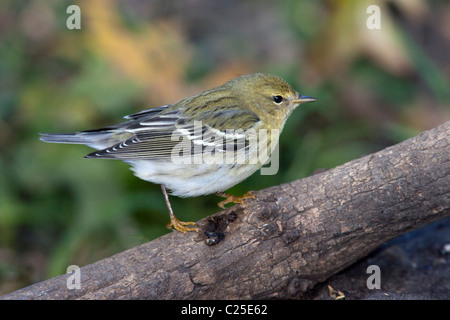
[290, 238]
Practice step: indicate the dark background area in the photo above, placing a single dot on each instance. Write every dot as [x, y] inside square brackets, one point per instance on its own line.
[375, 88]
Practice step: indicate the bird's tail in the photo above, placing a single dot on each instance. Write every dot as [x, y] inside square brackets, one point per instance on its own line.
[97, 139]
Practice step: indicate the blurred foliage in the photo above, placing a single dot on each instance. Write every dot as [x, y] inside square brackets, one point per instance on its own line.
[375, 88]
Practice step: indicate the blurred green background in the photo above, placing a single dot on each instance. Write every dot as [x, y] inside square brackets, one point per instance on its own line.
[375, 88]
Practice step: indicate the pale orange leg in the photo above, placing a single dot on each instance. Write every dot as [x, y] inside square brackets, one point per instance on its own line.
[174, 222]
[235, 199]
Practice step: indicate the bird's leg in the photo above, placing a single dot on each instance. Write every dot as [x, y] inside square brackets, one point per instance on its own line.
[235, 199]
[174, 222]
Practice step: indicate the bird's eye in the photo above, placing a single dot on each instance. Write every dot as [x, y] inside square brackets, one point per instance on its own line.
[278, 99]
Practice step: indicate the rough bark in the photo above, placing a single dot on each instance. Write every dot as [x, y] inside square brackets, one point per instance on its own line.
[287, 240]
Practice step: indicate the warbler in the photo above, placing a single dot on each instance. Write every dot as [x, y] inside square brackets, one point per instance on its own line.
[202, 144]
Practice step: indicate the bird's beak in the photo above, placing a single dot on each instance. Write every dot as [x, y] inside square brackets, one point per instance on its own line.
[303, 99]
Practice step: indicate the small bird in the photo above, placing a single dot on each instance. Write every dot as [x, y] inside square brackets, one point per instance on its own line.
[200, 145]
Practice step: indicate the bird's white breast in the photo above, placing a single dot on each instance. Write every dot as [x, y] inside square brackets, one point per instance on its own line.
[194, 179]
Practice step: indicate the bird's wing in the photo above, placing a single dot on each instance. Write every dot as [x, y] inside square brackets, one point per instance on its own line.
[158, 133]
[147, 113]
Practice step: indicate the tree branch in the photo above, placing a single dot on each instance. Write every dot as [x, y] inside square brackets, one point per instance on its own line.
[287, 240]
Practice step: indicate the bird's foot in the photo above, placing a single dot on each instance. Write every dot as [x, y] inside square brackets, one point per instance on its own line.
[182, 226]
[234, 199]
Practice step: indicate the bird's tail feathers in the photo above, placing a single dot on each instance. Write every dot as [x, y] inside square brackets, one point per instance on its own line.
[95, 139]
